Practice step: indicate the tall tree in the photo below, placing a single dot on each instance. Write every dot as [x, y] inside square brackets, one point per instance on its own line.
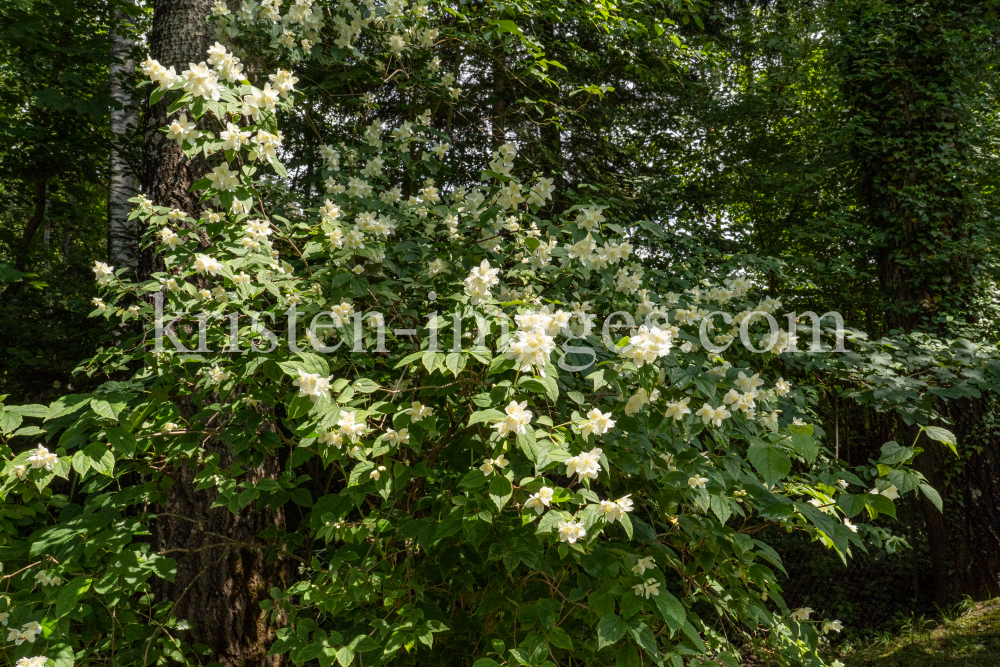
[221, 578]
[123, 242]
[916, 82]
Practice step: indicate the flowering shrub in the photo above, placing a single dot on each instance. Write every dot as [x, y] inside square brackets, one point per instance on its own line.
[506, 434]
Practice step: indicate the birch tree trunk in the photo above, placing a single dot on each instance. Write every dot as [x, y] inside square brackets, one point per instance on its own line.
[123, 239]
[222, 571]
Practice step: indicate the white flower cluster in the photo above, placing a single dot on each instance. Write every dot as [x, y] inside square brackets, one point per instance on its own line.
[517, 420]
[37, 661]
[41, 457]
[585, 464]
[479, 282]
[533, 342]
[647, 345]
[614, 511]
[589, 254]
[312, 385]
[27, 633]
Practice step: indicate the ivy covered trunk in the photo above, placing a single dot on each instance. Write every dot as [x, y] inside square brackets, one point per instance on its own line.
[223, 570]
[914, 103]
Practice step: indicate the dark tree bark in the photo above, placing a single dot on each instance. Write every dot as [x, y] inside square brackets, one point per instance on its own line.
[21, 262]
[180, 36]
[222, 573]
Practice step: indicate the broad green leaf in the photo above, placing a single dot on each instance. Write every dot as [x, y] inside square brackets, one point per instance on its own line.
[942, 435]
[500, 491]
[70, 594]
[770, 462]
[671, 610]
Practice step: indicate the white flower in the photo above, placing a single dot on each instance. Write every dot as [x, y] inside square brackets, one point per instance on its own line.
[647, 345]
[44, 579]
[613, 511]
[181, 130]
[677, 409]
[697, 482]
[233, 137]
[417, 411]
[312, 385]
[643, 564]
[37, 661]
[488, 466]
[103, 272]
[891, 493]
[597, 423]
[782, 386]
[571, 531]
[350, 428]
[201, 81]
[647, 588]
[217, 375]
[397, 438]
[540, 500]
[436, 267]
[332, 439]
[715, 416]
[223, 179]
[748, 383]
[850, 526]
[4, 615]
[479, 282]
[516, 421]
[801, 614]
[170, 238]
[284, 81]
[98, 303]
[586, 464]
[375, 474]
[835, 626]
[41, 457]
[205, 263]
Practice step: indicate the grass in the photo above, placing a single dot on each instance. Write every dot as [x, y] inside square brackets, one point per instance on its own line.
[967, 635]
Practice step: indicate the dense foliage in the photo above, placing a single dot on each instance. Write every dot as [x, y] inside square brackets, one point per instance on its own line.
[582, 471]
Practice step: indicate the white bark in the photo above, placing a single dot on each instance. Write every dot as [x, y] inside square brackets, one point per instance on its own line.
[123, 238]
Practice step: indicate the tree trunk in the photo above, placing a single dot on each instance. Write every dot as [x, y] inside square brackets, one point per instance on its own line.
[180, 36]
[221, 575]
[123, 240]
[21, 262]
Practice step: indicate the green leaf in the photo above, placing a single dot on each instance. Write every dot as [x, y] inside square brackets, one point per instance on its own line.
[486, 415]
[876, 502]
[610, 629]
[851, 504]
[671, 610]
[70, 594]
[893, 454]
[932, 495]
[103, 409]
[500, 491]
[308, 362]
[9, 421]
[122, 441]
[942, 435]
[61, 655]
[805, 446]
[486, 662]
[770, 462]
[645, 638]
[345, 655]
[455, 362]
[560, 638]
[528, 445]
